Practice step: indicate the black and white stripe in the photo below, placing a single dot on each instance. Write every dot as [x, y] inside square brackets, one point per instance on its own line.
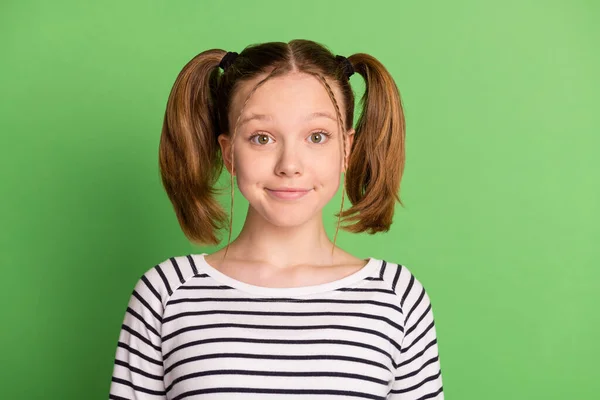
[191, 332]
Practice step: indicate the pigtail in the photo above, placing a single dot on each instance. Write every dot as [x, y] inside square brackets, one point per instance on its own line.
[189, 156]
[377, 158]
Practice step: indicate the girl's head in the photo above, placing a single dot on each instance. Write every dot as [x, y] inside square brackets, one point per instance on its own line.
[279, 117]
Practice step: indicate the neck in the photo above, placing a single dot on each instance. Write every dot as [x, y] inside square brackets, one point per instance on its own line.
[262, 241]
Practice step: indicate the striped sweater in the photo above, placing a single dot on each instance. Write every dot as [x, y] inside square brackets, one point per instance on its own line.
[192, 332]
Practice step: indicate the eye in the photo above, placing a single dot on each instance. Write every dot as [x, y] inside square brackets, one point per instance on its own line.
[260, 139]
[318, 137]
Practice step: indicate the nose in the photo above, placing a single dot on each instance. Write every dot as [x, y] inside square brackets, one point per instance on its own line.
[289, 162]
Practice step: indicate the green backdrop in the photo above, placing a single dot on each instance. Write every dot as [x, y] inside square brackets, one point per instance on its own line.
[502, 182]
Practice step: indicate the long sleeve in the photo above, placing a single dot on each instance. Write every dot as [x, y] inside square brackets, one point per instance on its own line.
[418, 373]
[138, 369]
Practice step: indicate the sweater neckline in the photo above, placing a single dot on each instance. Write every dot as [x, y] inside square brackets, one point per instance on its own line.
[346, 281]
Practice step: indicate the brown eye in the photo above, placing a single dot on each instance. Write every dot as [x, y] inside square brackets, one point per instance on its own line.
[318, 137]
[261, 139]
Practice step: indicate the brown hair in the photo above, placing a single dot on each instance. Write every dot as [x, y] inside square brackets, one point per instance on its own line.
[197, 112]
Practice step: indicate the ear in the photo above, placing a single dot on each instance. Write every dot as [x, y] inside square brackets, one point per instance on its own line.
[349, 138]
[225, 144]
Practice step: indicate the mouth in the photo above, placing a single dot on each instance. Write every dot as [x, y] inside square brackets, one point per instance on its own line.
[288, 193]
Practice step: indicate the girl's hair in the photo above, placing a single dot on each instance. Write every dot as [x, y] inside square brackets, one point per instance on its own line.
[198, 110]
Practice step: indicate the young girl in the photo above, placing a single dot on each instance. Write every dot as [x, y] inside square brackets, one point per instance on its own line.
[281, 312]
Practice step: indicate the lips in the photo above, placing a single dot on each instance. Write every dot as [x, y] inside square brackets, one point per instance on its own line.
[288, 193]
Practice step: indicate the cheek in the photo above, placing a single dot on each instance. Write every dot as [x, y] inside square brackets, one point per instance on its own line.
[326, 175]
[250, 167]
[328, 164]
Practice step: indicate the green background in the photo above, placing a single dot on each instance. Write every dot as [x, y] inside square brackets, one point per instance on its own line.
[502, 181]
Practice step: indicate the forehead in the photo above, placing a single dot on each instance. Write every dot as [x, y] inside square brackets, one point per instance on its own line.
[294, 93]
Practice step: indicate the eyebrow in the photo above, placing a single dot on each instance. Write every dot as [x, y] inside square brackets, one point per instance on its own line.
[321, 114]
[264, 117]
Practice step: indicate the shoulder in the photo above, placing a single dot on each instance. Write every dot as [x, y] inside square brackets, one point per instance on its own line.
[162, 280]
[406, 286]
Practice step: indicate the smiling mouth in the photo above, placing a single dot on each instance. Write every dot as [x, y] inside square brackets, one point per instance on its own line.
[288, 193]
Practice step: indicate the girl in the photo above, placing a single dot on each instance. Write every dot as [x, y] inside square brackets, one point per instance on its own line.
[280, 312]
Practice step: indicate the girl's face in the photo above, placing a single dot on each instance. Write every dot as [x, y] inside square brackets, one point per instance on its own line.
[288, 154]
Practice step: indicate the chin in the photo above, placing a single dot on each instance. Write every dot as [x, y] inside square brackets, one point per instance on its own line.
[287, 221]
[287, 213]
